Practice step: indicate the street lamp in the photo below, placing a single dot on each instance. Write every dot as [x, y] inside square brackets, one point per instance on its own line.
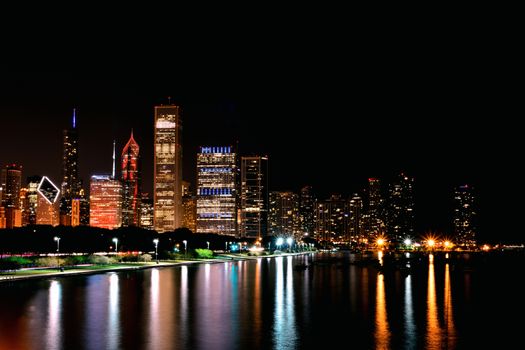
[208, 243]
[185, 247]
[116, 244]
[279, 242]
[57, 239]
[156, 241]
[289, 241]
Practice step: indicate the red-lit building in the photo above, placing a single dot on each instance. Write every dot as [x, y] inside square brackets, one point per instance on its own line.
[105, 202]
[131, 183]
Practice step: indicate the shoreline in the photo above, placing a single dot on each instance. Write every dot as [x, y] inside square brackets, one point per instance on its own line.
[224, 258]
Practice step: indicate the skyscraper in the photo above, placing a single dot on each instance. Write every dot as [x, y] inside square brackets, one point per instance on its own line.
[283, 215]
[11, 182]
[254, 196]
[71, 184]
[216, 192]
[332, 221]
[31, 200]
[168, 168]
[464, 217]
[375, 209]
[355, 217]
[146, 212]
[401, 208]
[48, 205]
[306, 211]
[131, 183]
[105, 202]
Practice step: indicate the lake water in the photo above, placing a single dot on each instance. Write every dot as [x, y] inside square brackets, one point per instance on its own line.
[463, 301]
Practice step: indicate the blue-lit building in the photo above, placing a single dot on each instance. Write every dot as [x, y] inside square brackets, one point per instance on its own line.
[216, 190]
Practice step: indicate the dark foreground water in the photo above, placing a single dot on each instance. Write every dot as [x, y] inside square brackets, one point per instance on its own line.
[465, 301]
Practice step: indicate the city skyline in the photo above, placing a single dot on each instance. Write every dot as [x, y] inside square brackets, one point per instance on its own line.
[438, 158]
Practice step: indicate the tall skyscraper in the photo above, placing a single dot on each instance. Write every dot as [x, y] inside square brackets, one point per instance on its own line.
[254, 196]
[332, 221]
[307, 211]
[464, 217]
[168, 168]
[283, 215]
[401, 208]
[71, 184]
[48, 205]
[146, 212]
[105, 202]
[355, 216]
[131, 183]
[11, 183]
[375, 209]
[216, 192]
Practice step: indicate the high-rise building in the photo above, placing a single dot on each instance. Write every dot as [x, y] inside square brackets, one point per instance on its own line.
[3, 219]
[401, 208]
[355, 217]
[48, 204]
[375, 210]
[254, 197]
[464, 217]
[189, 217]
[11, 183]
[105, 202]
[76, 205]
[332, 221]
[71, 184]
[216, 192]
[168, 168]
[131, 183]
[283, 215]
[146, 212]
[307, 211]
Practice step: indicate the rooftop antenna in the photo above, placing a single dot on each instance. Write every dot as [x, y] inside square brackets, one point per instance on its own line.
[113, 173]
[74, 118]
[169, 100]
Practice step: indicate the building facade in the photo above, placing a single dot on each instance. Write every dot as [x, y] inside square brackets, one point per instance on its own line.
[131, 183]
[254, 197]
[105, 202]
[307, 211]
[168, 168]
[48, 204]
[11, 183]
[464, 217]
[146, 212]
[376, 221]
[332, 221]
[216, 190]
[401, 209]
[283, 215]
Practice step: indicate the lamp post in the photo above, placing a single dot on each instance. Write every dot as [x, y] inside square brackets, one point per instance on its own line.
[116, 244]
[208, 243]
[156, 241]
[289, 241]
[57, 239]
[185, 247]
[279, 243]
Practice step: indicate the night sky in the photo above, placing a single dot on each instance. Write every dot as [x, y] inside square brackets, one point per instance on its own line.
[446, 125]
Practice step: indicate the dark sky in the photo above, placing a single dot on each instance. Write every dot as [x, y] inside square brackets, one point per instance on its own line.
[446, 123]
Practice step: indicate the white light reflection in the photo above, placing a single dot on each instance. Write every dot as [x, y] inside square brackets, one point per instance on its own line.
[183, 298]
[154, 308]
[410, 326]
[113, 336]
[284, 331]
[54, 321]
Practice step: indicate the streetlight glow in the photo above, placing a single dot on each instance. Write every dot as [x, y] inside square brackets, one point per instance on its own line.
[116, 244]
[185, 246]
[156, 241]
[57, 239]
[279, 242]
[208, 243]
[408, 241]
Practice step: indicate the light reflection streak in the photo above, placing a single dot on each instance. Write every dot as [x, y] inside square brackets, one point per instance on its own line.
[382, 331]
[284, 331]
[54, 321]
[154, 308]
[113, 313]
[449, 319]
[433, 330]
[410, 326]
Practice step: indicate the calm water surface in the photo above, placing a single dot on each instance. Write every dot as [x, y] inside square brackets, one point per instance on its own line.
[439, 303]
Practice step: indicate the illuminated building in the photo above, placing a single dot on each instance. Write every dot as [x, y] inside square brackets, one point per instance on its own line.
[464, 216]
[401, 208]
[332, 221]
[75, 212]
[2, 218]
[283, 215]
[105, 202]
[216, 194]
[11, 182]
[306, 211]
[146, 212]
[375, 209]
[189, 217]
[71, 184]
[254, 197]
[168, 168]
[48, 205]
[131, 183]
[355, 217]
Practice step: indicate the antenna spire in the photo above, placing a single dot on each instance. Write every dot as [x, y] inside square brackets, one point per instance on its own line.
[74, 118]
[113, 173]
[169, 100]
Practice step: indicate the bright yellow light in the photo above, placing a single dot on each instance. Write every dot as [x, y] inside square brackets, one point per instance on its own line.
[380, 241]
[486, 247]
[431, 242]
[447, 244]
